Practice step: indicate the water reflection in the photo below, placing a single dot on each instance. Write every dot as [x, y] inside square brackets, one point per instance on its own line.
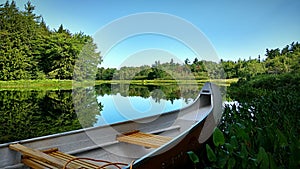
[27, 114]
[168, 92]
[120, 108]
[124, 102]
[86, 106]
[31, 113]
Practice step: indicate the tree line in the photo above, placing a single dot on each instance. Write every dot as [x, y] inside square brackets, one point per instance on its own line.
[30, 50]
[277, 61]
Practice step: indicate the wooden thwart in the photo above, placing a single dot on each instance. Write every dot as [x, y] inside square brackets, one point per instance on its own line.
[144, 139]
[51, 158]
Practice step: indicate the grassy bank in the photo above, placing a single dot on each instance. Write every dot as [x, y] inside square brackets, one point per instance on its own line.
[69, 84]
[35, 84]
[48, 84]
[222, 82]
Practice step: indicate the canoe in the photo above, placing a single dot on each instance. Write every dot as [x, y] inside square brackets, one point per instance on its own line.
[158, 141]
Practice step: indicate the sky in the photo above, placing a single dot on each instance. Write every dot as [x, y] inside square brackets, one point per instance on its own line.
[233, 28]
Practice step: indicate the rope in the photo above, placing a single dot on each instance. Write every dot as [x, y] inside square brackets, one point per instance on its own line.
[131, 164]
[115, 164]
[90, 159]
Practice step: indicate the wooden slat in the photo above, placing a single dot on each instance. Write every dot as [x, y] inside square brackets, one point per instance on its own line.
[36, 164]
[50, 150]
[38, 155]
[68, 157]
[144, 139]
[50, 158]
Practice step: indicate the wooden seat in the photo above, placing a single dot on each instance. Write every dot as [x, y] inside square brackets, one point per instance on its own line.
[51, 158]
[144, 139]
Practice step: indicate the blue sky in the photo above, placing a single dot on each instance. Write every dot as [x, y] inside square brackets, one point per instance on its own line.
[235, 28]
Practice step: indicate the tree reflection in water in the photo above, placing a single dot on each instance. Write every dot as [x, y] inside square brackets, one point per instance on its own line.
[32, 113]
[27, 114]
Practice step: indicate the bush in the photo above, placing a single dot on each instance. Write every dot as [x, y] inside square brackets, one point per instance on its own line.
[262, 130]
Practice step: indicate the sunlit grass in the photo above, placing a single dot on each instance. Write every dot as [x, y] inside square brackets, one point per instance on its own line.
[224, 82]
[35, 84]
[54, 84]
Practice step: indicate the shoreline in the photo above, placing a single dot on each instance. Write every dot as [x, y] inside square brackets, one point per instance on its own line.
[55, 84]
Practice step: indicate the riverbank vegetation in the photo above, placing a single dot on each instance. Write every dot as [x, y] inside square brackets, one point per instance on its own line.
[261, 130]
[55, 84]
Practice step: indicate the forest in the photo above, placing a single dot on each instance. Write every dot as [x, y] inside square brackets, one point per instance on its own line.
[30, 50]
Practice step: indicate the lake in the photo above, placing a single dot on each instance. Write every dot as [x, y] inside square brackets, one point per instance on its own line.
[32, 113]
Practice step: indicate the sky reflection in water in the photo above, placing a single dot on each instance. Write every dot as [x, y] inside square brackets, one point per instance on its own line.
[119, 108]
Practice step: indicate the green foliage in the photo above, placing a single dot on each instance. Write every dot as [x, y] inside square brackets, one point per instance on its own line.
[105, 74]
[277, 63]
[193, 157]
[218, 137]
[259, 86]
[29, 50]
[262, 130]
[161, 71]
[85, 105]
[210, 154]
[157, 92]
[87, 60]
[45, 84]
[17, 33]
[262, 158]
[28, 114]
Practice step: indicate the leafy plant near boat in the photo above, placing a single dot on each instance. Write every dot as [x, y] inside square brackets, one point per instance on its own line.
[262, 130]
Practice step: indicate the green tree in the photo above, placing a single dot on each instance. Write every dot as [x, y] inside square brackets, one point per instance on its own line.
[17, 32]
[271, 54]
[229, 68]
[29, 50]
[187, 61]
[88, 58]
[59, 56]
[105, 74]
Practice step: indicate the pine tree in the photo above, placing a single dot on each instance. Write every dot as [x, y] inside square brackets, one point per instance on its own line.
[29, 50]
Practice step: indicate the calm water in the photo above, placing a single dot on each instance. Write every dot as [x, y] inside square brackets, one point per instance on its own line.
[122, 108]
[27, 113]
